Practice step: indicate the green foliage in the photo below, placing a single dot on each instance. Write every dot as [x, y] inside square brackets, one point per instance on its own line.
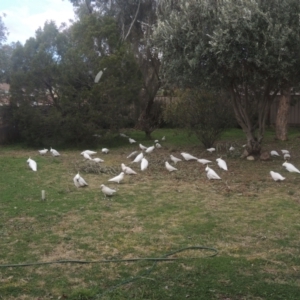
[134, 20]
[206, 114]
[54, 97]
[3, 31]
[248, 48]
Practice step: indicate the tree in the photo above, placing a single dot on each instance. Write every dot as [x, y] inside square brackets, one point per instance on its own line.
[53, 88]
[5, 61]
[112, 98]
[283, 114]
[288, 15]
[241, 46]
[5, 52]
[3, 31]
[135, 19]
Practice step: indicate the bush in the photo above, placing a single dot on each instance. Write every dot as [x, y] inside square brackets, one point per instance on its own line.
[207, 114]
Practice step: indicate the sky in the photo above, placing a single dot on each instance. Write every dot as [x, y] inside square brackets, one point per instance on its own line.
[24, 17]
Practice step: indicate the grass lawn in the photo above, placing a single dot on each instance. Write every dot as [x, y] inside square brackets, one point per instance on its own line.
[252, 221]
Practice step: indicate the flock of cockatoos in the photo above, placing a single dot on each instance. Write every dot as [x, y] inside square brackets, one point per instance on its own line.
[141, 158]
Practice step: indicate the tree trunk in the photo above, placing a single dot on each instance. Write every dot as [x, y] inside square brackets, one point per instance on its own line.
[253, 146]
[283, 114]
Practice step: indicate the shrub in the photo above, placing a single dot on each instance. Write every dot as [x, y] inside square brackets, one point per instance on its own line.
[207, 114]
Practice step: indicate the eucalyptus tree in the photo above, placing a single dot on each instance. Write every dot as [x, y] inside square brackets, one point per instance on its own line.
[242, 46]
[111, 99]
[135, 19]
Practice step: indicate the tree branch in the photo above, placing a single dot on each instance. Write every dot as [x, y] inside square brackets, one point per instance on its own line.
[133, 21]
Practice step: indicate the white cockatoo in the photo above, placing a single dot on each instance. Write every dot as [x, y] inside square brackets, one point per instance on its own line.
[43, 152]
[132, 154]
[124, 135]
[158, 145]
[150, 149]
[175, 159]
[187, 156]
[290, 167]
[211, 150]
[131, 141]
[54, 152]
[276, 176]
[231, 148]
[87, 156]
[274, 153]
[169, 167]
[211, 174]
[105, 150]
[203, 161]
[222, 164]
[118, 178]
[32, 164]
[79, 181]
[138, 158]
[127, 170]
[97, 160]
[106, 190]
[144, 164]
[286, 156]
[142, 147]
[163, 138]
[285, 151]
[89, 152]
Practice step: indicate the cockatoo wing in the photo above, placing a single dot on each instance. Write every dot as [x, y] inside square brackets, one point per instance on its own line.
[188, 156]
[118, 178]
[144, 164]
[276, 176]
[169, 167]
[32, 164]
[129, 171]
[203, 161]
[86, 156]
[290, 167]
[138, 158]
[142, 147]
[81, 181]
[211, 174]
[150, 149]
[274, 153]
[132, 154]
[222, 164]
[131, 141]
[107, 191]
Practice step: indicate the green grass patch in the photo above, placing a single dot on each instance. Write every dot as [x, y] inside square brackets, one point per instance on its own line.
[251, 220]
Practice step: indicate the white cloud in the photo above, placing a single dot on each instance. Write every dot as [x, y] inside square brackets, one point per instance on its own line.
[23, 20]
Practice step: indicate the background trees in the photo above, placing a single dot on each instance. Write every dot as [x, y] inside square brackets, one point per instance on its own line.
[135, 20]
[4, 51]
[241, 46]
[3, 31]
[249, 49]
[54, 96]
